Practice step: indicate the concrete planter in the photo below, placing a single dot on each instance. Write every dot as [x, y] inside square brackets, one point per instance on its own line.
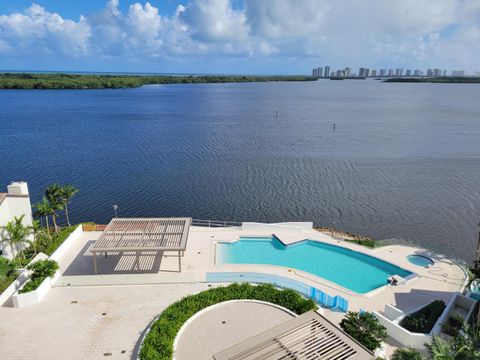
[33, 297]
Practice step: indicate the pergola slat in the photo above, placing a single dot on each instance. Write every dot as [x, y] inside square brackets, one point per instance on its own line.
[307, 337]
[157, 234]
[143, 235]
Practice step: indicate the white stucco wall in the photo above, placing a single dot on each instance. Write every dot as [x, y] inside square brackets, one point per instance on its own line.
[285, 227]
[15, 204]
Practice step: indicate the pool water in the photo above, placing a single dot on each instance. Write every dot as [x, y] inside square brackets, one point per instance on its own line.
[419, 260]
[350, 269]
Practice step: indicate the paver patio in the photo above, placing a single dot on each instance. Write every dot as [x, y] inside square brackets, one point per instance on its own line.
[56, 328]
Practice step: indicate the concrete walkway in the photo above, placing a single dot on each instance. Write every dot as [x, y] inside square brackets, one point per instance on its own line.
[69, 322]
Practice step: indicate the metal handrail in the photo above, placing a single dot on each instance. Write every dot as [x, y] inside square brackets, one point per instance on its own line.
[215, 223]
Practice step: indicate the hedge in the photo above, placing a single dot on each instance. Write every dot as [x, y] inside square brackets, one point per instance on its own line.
[158, 344]
[423, 320]
[41, 270]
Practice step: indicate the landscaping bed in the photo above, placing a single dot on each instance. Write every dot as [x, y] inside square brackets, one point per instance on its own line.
[46, 244]
[8, 273]
[158, 343]
[423, 320]
[42, 269]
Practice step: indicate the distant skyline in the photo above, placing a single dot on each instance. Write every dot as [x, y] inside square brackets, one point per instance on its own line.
[238, 36]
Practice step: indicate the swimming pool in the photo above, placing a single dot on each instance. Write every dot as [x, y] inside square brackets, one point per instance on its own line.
[420, 260]
[350, 269]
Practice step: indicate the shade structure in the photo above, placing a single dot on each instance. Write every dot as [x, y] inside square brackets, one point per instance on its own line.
[143, 234]
[308, 336]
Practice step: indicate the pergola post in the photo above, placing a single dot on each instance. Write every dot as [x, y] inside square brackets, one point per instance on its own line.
[179, 261]
[95, 263]
[139, 235]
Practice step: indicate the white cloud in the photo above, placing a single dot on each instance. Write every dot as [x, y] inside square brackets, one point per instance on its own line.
[39, 30]
[349, 32]
[286, 18]
[215, 21]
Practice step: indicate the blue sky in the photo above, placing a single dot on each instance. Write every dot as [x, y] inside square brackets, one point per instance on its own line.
[238, 36]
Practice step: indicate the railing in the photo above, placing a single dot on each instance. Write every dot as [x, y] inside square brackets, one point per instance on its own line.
[216, 223]
[195, 222]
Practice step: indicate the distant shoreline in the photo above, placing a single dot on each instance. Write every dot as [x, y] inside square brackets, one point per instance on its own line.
[63, 81]
[437, 80]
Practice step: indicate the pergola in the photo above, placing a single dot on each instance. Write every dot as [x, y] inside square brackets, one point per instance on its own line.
[306, 337]
[143, 234]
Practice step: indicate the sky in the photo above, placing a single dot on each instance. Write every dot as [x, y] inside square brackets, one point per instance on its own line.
[238, 36]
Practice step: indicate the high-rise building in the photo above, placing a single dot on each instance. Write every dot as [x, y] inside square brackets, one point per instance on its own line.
[408, 73]
[347, 72]
[319, 71]
[429, 72]
[437, 72]
[383, 72]
[458, 72]
[314, 72]
[417, 73]
[327, 71]
[364, 72]
[374, 72]
[444, 73]
[398, 72]
[390, 72]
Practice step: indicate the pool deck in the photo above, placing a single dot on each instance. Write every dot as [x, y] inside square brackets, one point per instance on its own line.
[131, 298]
[436, 282]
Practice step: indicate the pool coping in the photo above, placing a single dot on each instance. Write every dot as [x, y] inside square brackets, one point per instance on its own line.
[330, 284]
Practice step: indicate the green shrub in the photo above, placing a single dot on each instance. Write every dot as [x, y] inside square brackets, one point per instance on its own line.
[365, 242]
[5, 282]
[7, 267]
[31, 285]
[46, 243]
[456, 321]
[56, 240]
[424, 319]
[454, 325]
[158, 344]
[365, 328]
[8, 273]
[41, 270]
[449, 330]
[407, 354]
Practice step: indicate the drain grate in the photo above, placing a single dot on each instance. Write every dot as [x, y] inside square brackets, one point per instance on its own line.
[107, 354]
[74, 302]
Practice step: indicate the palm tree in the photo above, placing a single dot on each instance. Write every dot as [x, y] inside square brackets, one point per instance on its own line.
[44, 209]
[17, 234]
[66, 194]
[53, 196]
[440, 349]
[36, 230]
